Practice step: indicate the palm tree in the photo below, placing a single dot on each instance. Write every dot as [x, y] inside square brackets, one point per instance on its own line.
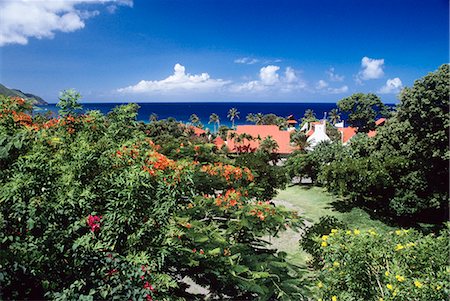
[309, 114]
[299, 139]
[251, 117]
[259, 118]
[214, 118]
[269, 145]
[153, 117]
[232, 114]
[194, 119]
[334, 116]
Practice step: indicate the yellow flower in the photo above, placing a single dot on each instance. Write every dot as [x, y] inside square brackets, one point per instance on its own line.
[334, 298]
[386, 273]
[336, 264]
[399, 247]
[418, 284]
[320, 284]
[324, 237]
[356, 232]
[438, 287]
[398, 232]
[324, 244]
[380, 299]
[410, 244]
[389, 286]
[348, 232]
[400, 278]
[372, 232]
[334, 231]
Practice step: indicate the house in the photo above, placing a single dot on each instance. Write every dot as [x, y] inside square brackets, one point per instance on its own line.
[291, 122]
[197, 131]
[348, 132]
[317, 133]
[247, 138]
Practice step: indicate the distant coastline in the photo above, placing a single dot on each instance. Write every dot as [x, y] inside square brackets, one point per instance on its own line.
[181, 111]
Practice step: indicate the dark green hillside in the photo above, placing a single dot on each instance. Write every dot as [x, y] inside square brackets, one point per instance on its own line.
[15, 92]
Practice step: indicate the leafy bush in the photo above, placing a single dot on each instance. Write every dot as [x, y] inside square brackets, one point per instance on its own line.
[308, 239]
[90, 209]
[374, 265]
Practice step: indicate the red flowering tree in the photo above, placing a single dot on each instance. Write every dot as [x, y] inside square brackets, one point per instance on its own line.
[91, 209]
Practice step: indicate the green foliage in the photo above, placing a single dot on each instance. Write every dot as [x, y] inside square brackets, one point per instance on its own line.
[268, 177]
[379, 265]
[68, 102]
[308, 241]
[362, 110]
[91, 209]
[403, 170]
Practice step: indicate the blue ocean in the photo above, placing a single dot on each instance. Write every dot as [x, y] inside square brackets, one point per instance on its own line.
[182, 111]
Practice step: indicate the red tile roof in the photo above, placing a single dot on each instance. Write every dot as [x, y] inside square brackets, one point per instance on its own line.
[347, 133]
[219, 142]
[197, 131]
[283, 138]
[380, 121]
[372, 133]
[291, 121]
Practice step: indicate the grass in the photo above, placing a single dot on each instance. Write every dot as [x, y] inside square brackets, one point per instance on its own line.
[312, 203]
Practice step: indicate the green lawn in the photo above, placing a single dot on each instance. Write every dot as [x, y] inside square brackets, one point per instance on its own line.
[312, 203]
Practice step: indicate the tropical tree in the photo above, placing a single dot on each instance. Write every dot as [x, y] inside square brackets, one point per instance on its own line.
[362, 110]
[215, 120]
[259, 117]
[233, 113]
[309, 115]
[269, 145]
[153, 117]
[68, 102]
[299, 139]
[194, 119]
[334, 116]
[250, 117]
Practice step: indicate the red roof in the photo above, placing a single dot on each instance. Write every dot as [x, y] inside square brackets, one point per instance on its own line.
[310, 132]
[219, 142]
[197, 131]
[371, 133]
[347, 133]
[282, 138]
[291, 121]
[380, 121]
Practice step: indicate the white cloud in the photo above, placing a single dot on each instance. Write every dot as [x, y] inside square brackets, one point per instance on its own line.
[332, 76]
[178, 81]
[270, 80]
[393, 85]
[340, 90]
[269, 75]
[371, 69]
[24, 19]
[246, 60]
[321, 84]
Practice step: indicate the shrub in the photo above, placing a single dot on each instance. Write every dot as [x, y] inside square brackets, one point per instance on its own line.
[378, 265]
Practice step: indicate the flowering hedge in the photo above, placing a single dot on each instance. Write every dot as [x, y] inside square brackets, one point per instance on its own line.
[90, 209]
[373, 265]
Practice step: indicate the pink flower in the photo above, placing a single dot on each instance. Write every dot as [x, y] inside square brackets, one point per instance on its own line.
[148, 286]
[93, 221]
[149, 298]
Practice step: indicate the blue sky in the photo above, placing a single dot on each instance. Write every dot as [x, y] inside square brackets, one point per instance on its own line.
[205, 50]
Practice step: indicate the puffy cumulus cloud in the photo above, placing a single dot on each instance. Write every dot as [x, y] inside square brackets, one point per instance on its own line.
[332, 76]
[178, 81]
[321, 84]
[371, 69]
[393, 85]
[246, 60]
[269, 75]
[270, 80]
[24, 19]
